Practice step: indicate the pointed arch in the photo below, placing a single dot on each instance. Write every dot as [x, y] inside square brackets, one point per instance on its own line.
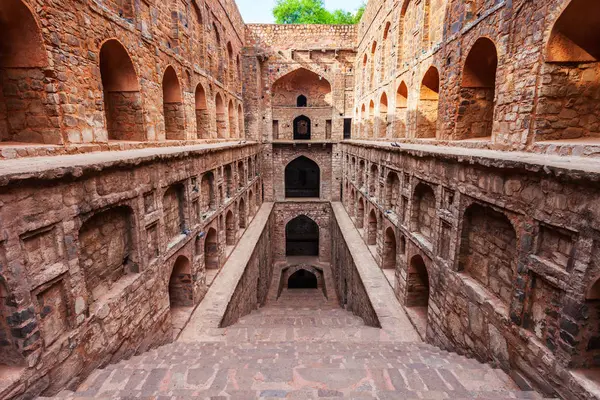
[211, 250]
[302, 237]
[401, 110]
[241, 127]
[302, 178]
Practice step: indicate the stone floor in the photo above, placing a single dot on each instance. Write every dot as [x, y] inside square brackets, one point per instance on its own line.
[301, 346]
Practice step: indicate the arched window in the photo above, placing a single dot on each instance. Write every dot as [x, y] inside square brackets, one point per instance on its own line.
[302, 178]
[302, 237]
[173, 106]
[302, 128]
[301, 101]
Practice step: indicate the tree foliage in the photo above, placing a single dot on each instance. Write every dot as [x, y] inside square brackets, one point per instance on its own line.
[313, 12]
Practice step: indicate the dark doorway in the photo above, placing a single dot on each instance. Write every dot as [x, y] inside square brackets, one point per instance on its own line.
[302, 237]
[301, 101]
[302, 178]
[302, 279]
[302, 128]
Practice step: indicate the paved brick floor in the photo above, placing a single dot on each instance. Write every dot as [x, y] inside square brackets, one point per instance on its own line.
[300, 347]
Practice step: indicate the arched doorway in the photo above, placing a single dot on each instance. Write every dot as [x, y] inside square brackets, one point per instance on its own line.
[302, 128]
[302, 237]
[173, 110]
[302, 178]
[180, 284]
[302, 279]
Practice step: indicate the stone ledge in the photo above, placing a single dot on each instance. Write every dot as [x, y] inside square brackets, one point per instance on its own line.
[390, 313]
[77, 165]
[210, 311]
[572, 167]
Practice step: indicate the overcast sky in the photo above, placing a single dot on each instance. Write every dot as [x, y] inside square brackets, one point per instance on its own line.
[259, 11]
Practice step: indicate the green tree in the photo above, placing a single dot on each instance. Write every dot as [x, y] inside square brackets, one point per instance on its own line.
[312, 12]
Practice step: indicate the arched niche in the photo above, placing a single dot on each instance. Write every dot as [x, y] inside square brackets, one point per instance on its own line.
[26, 113]
[476, 107]
[180, 284]
[122, 97]
[202, 116]
[428, 107]
[211, 250]
[173, 110]
[302, 128]
[220, 119]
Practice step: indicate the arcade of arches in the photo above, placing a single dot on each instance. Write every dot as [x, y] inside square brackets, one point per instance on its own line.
[172, 176]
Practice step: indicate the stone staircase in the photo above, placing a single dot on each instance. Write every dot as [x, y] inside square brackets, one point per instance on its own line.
[301, 346]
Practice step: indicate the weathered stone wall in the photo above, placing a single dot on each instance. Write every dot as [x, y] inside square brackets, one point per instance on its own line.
[253, 287]
[88, 253]
[533, 90]
[318, 211]
[348, 283]
[508, 255]
[59, 73]
[276, 56]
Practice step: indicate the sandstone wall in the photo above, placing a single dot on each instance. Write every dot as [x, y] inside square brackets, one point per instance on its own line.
[507, 249]
[502, 77]
[65, 78]
[88, 253]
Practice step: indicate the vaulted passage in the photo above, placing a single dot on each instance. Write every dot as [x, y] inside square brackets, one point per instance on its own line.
[302, 237]
[122, 97]
[302, 178]
[302, 279]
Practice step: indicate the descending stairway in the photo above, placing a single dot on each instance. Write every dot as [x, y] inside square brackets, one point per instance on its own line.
[301, 346]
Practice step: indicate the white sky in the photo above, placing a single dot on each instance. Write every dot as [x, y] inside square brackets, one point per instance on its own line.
[259, 11]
